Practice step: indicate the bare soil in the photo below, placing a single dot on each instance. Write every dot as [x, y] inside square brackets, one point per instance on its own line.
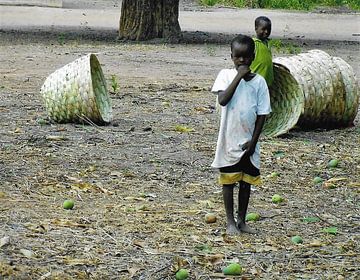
[114, 4]
[142, 188]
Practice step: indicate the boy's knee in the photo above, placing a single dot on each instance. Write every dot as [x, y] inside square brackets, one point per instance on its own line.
[228, 185]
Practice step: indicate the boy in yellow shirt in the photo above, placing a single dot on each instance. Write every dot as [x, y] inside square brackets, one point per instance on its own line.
[262, 63]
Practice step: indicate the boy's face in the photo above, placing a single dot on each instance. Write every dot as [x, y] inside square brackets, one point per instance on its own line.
[241, 55]
[263, 30]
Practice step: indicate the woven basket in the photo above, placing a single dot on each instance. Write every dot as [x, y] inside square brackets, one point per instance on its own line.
[329, 88]
[287, 103]
[77, 93]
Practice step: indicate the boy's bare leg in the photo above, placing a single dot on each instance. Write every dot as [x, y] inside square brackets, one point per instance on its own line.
[228, 196]
[244, 196]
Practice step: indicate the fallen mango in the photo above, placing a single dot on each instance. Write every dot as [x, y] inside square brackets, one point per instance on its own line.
[296, 239]
[182, 274]
[252, 217]
[276, 198]
[210, 218]
[232, 269]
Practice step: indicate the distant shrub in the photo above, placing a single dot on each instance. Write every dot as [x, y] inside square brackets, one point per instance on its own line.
[208, 2]
[284, 4]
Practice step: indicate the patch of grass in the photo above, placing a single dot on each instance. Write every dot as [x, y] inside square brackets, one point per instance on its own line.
[183, 129]
[114, 83]
[284, 4]
[61, 39]
[7, 147]
[283, 47]
[42, 121]
[288, 4]
[232, 3]
[210, 49]
[208, 2]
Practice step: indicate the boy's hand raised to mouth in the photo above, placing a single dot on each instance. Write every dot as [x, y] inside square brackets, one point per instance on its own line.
[243, 70]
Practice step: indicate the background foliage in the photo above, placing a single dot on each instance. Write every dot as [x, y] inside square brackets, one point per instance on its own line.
[285, 4]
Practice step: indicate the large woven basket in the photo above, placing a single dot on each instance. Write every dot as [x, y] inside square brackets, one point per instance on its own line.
[287, 103]
[77, 93]
[312, 89]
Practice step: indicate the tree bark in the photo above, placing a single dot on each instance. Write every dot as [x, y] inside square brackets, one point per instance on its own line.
[148, 19]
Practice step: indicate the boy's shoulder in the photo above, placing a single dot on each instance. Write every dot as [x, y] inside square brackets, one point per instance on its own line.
[228, 72]
[260, 79]
[257, 41]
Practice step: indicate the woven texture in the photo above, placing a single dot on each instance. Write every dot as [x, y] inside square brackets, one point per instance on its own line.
[77, 93]
[287, 103]
[329, 89]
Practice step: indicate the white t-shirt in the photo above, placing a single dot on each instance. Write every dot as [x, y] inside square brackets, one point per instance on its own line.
[238, 117]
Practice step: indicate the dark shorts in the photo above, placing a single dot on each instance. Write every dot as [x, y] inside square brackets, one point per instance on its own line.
[244, 170]
[244, 165]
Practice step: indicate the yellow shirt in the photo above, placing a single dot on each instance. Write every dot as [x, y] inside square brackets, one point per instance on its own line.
[262, 63]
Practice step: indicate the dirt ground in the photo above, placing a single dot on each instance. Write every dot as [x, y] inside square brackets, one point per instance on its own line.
[142, 188]
[114, 4]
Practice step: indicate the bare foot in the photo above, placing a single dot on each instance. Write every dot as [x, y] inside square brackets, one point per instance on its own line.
[245, 228]
[232, 229]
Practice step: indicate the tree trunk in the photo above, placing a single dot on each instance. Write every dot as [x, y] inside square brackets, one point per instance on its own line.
[148, 19]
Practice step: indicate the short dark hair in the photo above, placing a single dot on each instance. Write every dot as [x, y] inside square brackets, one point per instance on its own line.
[244, 39]
[260, 19]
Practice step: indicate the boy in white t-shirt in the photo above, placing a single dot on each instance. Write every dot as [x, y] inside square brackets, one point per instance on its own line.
[245, 102]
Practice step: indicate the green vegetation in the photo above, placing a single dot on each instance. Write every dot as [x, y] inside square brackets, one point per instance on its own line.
[331, 230]
[114, 84]
[280, 46]
[284, 4]
[210, 49]
[61, 39]
[42, 121]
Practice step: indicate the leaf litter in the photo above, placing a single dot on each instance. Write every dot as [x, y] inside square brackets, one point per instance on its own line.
[141, 194]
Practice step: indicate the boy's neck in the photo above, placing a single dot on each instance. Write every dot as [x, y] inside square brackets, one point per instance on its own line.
[265, 40]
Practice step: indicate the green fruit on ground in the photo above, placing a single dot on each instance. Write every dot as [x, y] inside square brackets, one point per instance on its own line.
[68, 204]
[274, 174]
[317, 180]
[182, 274]
[276, 198]
[296, 239]
[210, 218]
[331, 230]
[333, 163]
[252, 217]
[232, 269]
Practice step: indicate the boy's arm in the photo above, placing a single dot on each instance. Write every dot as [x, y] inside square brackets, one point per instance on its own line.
[249, 147]
[263, 109]
[225, 96]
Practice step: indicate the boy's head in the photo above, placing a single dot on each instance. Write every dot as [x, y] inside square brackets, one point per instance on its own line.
[262, 27]
[242, 50]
